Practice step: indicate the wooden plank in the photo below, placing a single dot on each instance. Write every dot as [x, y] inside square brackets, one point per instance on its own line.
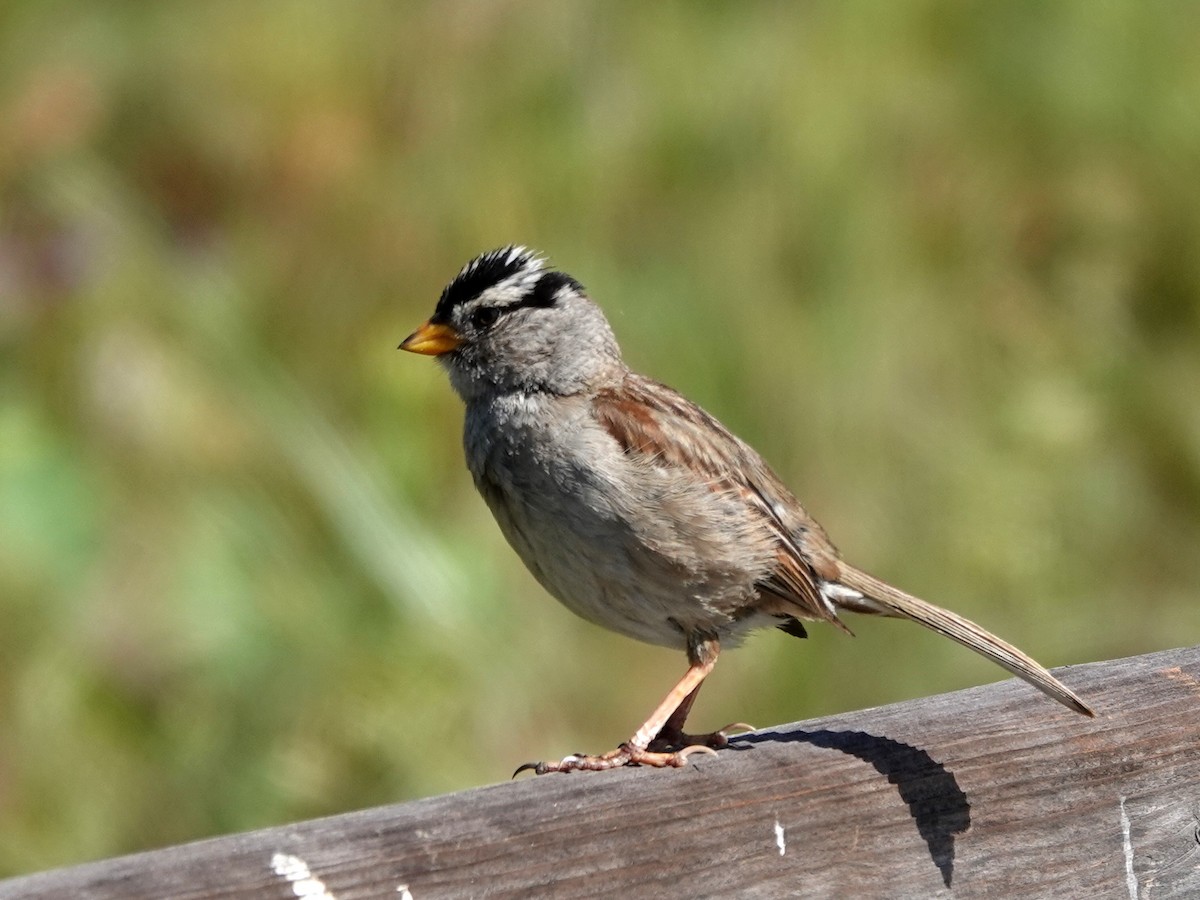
[990, 792]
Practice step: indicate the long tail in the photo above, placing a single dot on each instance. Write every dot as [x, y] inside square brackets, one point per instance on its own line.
[881, 598]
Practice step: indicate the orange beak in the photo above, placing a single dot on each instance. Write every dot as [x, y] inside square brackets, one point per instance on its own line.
[432, 339]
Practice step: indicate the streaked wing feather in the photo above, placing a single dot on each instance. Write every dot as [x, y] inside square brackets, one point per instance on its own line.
[642, 414]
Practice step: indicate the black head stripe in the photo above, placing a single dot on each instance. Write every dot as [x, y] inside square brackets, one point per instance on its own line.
[482, 273]
[547, 289]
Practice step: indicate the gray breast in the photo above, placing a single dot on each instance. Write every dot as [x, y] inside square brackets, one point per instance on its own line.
[643, 550]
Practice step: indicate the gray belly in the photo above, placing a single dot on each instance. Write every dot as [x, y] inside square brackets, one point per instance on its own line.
[642, 550]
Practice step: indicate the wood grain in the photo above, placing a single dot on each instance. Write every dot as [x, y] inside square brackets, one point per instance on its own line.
[989, 792]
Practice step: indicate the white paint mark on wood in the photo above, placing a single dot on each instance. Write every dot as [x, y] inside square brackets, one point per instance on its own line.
[780, 842]
[1131, 882]
[296, 870]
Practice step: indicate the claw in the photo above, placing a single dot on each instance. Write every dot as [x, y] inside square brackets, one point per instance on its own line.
[694, 748]
[667, 741]
[624, 755]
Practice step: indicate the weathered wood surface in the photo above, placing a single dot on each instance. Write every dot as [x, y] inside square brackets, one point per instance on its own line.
[989, 792]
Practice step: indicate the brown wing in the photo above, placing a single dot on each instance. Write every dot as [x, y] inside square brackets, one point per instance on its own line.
[650, 419]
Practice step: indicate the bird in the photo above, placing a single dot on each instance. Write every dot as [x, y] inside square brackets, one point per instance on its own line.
[634, 507]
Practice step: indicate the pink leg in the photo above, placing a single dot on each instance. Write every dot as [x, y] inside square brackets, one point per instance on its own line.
[665, 727]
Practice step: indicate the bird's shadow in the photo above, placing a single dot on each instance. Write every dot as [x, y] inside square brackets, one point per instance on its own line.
[935, 801]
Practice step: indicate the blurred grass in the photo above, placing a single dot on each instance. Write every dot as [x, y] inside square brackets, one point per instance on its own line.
[939, 262]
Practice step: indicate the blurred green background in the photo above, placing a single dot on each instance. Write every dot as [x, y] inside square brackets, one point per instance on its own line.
[939, 262]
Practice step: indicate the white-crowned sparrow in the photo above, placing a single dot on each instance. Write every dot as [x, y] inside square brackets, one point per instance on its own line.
[633, 506]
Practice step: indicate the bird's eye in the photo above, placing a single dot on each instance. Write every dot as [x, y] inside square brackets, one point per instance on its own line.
[484, 317]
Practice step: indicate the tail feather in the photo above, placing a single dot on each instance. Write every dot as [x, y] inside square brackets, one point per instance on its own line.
[881, 598]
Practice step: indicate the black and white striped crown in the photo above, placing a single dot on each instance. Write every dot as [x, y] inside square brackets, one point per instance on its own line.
[519, 268]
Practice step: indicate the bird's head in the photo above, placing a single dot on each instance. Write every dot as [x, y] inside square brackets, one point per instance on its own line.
[508, 323]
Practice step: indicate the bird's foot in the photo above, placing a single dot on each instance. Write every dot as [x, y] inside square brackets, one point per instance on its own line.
[624, 755]
[673, 739]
